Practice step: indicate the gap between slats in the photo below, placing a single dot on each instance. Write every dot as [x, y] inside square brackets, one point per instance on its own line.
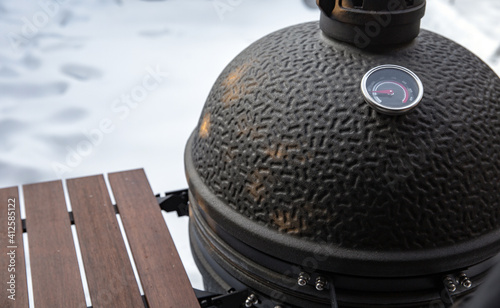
[173, 286]
[100, 237]
[124, 235]
[27, 253]
[79, 258]
[26, 250]
[77, 247]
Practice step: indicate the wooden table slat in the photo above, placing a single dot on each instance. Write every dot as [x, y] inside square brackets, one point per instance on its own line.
[109, 273]
[14, 293]
[162, 274]
[54, 266]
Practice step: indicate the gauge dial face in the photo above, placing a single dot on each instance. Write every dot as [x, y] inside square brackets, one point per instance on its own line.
[392, 89]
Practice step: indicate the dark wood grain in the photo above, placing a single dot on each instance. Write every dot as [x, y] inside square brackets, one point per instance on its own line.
[162, 274]
[12, 252]
[109, 273]
[54, 266]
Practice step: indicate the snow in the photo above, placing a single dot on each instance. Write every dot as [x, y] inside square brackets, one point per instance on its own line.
[97, 86]
[473, 33]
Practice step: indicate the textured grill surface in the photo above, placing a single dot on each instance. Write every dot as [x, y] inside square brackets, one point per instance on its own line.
[286, 139]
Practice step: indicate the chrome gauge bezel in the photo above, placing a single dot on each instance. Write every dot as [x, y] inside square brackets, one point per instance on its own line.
[387, 109]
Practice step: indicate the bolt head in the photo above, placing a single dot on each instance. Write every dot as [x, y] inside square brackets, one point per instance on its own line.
[467, 283]
[452, 287]
[303, 279]
[320, 283]
[251, 300]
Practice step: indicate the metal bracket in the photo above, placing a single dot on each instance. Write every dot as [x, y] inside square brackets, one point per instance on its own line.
[333, 294]
[177, 201]
[212, 300]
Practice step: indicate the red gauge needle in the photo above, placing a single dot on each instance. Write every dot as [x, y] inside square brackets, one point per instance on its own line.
[390, 92]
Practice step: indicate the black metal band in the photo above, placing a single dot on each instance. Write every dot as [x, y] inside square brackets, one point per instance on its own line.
[253, 267]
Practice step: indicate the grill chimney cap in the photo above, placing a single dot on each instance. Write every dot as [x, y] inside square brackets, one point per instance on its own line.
[367, 23]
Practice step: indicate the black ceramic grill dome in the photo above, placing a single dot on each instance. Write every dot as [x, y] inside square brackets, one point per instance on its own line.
[289, 159]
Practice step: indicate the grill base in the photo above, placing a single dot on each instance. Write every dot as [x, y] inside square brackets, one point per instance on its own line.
[236, 266]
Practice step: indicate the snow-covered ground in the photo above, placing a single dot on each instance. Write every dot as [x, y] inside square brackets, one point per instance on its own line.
[96, 86]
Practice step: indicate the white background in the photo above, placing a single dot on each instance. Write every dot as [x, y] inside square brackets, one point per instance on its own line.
[61, 74]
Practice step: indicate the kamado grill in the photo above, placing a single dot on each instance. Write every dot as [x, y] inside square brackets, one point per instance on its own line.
[352, 162]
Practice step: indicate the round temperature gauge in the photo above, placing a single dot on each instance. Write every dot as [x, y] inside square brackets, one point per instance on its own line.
[392, 89]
